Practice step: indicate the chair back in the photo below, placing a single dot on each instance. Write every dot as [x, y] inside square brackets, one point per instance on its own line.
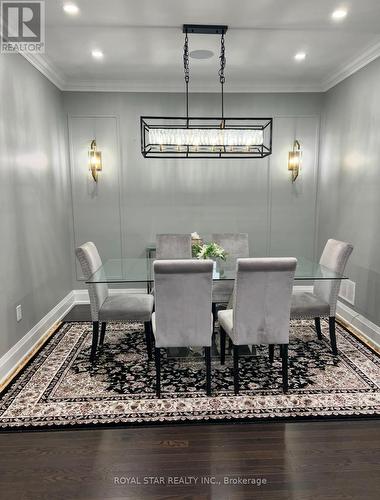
[335, 256]
[90, 262]
[173, 246]
[262, 298]
[183, 302]
[235, 244]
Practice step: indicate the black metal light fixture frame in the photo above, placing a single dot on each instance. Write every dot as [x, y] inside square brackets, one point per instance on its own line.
[220, 124]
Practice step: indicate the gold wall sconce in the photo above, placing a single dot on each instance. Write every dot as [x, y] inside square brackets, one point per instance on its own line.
[95, 160]
[294, 160]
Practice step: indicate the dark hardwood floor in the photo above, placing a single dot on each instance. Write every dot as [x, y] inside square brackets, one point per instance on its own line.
[302, 461]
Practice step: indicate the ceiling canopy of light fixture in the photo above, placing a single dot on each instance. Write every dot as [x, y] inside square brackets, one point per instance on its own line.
[205, 137]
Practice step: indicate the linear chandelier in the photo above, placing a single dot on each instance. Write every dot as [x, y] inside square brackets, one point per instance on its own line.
[205, 137]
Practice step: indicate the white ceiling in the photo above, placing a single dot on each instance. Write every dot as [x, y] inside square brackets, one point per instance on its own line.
[142, 43]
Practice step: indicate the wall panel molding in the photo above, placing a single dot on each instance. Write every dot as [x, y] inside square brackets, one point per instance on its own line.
[149, 196]
[292, 206]
[96, 206]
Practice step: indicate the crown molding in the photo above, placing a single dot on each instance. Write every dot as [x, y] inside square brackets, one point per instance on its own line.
[44, 66]
[48, 69]
[123, 86]
[369, 55]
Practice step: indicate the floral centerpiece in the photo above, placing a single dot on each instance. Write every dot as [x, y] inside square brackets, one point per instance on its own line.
[207, 250]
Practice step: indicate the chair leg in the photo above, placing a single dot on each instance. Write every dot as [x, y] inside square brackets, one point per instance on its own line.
[95, 337]
[318, 327]
[157, 358]
[333, 335]
[148, 339]
[284, 362]
[230, 345]
[214, 315]
[236, 369]
[102, 332]
[222, 346]
[271, 353]
[208, 370]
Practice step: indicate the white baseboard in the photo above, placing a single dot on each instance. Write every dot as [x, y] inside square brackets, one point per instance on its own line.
[363, 326]
[303, 288]
[18, 354]
[81, 297]
[368, 330]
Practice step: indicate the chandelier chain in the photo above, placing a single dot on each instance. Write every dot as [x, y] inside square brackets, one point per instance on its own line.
[187, 74]
[222, 78]
[186, 59]
[222, 58]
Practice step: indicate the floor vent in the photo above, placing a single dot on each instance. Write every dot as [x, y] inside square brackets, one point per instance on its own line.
[347, 291]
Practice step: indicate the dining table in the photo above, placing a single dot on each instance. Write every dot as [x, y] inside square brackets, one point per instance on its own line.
[139, 271]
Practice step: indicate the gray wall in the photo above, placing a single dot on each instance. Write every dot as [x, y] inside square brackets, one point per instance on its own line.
[35, 265]
[136, 198]
[349, 197]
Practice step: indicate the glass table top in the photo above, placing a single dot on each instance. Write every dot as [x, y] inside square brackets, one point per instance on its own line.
[140, 270]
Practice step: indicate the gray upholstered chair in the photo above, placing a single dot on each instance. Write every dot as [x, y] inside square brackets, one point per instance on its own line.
[105, 307]
[173, 246]
[322, 301]
[261, 309]
[237, 247]
[182, 316]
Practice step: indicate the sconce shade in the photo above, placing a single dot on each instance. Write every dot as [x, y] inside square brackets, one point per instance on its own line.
[294, 160]
[95, 160]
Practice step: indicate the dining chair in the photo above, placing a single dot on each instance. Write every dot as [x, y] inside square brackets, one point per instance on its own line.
[182, 316]
[236, 245]
[261, 310]
[116, 307]
[322, 301]
[173, 246]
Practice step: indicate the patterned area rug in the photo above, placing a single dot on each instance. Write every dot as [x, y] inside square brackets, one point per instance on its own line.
[60, 387]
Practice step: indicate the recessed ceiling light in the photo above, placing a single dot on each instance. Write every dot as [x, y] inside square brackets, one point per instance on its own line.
[97, 54]
[201, 54]
[339, 14]
[71, 8]
[300, 56]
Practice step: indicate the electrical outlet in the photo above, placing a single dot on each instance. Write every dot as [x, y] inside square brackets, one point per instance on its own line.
[18, 313]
